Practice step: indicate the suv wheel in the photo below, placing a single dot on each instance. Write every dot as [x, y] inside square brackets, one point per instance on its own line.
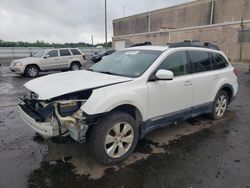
[114, 138]
[32, 71]
[219, 105]
[75, 66]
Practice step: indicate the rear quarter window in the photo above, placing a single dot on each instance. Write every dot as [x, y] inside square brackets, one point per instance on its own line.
[65, 53]
[75, 52]
[220, 61]
[200, 61]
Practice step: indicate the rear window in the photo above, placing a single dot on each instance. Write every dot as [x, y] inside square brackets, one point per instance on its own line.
[200, 61]
[220, 61]
[65, 53]
[75, 52]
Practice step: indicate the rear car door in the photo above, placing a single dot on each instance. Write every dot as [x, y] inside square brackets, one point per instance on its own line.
[64, 59]
[205, 80]
[50, 60]
[171, 98]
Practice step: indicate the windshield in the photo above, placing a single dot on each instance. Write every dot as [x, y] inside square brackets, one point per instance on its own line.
[130, 63]
[41, 53]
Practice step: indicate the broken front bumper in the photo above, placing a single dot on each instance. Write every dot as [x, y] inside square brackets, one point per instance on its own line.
[45, 129]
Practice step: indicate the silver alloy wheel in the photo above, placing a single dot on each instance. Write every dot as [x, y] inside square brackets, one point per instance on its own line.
[75, 67]
[221, 106]
[119, 140]
[32, 72]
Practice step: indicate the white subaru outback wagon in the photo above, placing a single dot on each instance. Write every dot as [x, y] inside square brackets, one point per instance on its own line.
[49, 60]
[118, 101]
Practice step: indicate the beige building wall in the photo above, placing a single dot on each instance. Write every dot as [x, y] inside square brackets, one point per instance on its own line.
[226, 36]
[197, 13]
[191, 21]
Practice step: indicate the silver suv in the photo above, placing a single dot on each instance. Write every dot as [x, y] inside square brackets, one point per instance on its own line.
[49, 60]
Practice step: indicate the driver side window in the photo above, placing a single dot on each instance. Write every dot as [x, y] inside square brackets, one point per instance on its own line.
[52, 53]
[176, 62]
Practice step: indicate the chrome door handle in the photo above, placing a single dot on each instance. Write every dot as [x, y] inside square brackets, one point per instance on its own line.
[188, 83]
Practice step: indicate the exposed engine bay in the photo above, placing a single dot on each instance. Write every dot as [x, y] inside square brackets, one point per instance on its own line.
[64, 113]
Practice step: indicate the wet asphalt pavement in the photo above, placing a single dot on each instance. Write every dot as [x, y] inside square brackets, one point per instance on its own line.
[195, 153]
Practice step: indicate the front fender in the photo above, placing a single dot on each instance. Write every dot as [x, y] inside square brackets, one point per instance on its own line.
[104, 100]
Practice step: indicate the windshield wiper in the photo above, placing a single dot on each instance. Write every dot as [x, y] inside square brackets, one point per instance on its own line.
[108, 72]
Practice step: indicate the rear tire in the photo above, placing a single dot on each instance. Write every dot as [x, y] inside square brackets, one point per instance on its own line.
[219, 105]
[32, 71]
[114, 138]
[75, 66]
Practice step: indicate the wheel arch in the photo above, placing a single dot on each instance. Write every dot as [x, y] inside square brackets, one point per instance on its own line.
[33, 64]
[229, 90]
[131, 110]
[76, 61]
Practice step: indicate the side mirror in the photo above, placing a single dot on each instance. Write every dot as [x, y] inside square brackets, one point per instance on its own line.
[46, 56]
[164, 75]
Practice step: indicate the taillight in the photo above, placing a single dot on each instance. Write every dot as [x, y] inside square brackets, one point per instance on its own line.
[84, 57]
[235, 72]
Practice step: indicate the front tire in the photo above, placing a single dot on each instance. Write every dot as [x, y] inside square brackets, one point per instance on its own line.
[114, 138]
[219, 105]
[75, 66]
[31, 71]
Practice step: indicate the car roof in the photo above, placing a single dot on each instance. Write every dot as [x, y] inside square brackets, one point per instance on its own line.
[164, 48]
[159, 48]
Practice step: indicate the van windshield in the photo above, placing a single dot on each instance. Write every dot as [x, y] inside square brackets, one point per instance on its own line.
[130, 63]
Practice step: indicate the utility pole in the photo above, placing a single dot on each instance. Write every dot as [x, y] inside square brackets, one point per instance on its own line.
[212, 12]
[92, 40]
[241, 37]
[106, 32]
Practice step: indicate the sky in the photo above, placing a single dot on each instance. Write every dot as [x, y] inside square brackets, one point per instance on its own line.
[63, 21]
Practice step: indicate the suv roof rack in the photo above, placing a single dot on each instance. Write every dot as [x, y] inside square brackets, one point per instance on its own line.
[187, 43]
[141, 44]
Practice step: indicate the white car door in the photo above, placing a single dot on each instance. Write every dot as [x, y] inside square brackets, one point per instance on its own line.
[169, 98]
[50, 60]
[204, 79]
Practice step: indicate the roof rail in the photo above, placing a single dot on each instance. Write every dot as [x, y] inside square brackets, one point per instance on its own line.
[141, 44]
[198, 44]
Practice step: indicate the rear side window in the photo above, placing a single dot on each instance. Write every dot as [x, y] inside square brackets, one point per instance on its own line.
[200, 61]
[52, 53]
[64, 53]
[176, 62]
[213, 64]
[75, 52]
[220, 61]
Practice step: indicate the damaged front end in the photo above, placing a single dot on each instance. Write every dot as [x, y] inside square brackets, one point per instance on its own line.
[60, 116]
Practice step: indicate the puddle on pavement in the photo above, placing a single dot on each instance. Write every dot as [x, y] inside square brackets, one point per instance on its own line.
[71, 165]
[145, 146]
[64, 174]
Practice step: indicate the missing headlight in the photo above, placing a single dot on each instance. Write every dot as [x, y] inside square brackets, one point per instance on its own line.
[67, 108]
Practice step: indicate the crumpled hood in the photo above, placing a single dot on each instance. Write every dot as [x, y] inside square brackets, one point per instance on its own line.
[55, 85]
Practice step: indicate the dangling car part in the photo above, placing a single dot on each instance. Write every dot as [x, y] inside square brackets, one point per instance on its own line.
[58, 118]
